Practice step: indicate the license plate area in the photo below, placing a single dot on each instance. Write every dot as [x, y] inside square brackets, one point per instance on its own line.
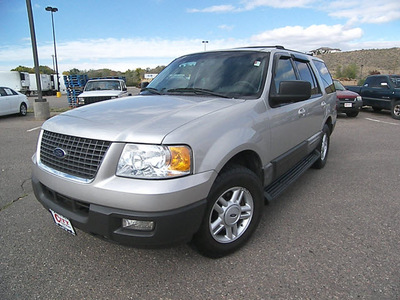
[348, 105]
[62, 222]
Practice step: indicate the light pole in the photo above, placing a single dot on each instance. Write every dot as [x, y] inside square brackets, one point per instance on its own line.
[205, 43]
[53, 10]
[40, 106]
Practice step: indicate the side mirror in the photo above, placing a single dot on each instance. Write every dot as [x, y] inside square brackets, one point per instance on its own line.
[292, 91]
[143, 85]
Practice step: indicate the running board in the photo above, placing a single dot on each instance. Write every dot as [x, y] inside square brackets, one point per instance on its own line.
[276, 188]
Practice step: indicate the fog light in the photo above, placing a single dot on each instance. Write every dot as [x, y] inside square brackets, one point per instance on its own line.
[138, 225]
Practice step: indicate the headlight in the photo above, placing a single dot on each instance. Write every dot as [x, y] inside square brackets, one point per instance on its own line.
[359, 98]
[81, 100]
[154, 161]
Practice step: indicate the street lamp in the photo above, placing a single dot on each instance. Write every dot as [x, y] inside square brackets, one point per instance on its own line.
[53, 10]
[205, 43]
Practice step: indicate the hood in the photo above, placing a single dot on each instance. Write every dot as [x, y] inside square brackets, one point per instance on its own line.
[142, 119]
[101, 93]
[346, 94]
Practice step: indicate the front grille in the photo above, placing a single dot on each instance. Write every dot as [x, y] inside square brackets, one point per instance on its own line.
[75, 156]
[89, 100]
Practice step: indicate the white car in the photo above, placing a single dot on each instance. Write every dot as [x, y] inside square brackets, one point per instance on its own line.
[12, 102]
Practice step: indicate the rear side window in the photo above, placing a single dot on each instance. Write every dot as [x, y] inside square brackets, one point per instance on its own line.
[307, 74]
[325, 76]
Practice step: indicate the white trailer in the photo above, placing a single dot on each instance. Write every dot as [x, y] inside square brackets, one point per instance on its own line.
[46, 82]
[18, 81]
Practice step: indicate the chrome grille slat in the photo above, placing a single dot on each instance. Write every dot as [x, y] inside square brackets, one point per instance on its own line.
[83, 158]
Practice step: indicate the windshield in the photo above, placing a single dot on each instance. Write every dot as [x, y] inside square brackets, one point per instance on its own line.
[103, 85]
[339, 86]
[235, 74]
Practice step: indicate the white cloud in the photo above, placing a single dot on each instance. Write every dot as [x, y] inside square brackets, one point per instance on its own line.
[367, 11]
[251, 4]
[226, 27]
[246, 5]
[308, 38]
[214, 9]
[116, 54]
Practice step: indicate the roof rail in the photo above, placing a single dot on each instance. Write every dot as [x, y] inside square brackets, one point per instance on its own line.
[250, 47]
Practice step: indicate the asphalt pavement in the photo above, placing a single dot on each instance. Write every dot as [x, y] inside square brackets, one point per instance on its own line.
[334, 234]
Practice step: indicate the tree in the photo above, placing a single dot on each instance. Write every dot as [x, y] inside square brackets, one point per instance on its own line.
[42, 70]
[348, 72]
[23, 69]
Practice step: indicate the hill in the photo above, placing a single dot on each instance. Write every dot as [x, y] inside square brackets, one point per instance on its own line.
[385, 61]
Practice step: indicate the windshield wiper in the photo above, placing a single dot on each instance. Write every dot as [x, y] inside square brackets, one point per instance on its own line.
[197, 91]
[151, 90]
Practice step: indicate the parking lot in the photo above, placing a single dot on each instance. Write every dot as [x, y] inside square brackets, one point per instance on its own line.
[334, 234]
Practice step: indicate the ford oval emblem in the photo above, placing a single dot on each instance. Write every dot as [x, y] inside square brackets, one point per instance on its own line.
[59, 153]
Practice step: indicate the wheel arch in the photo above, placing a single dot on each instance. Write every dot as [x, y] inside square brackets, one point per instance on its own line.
[330, 124]
[248, 159]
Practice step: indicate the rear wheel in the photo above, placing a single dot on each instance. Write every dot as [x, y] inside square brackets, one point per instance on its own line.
[323, 148]
[23, 109]
[396, 110]
[233, 212]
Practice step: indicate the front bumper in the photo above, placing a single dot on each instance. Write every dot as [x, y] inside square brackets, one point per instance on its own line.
[171, 227]
[176, 206]
[355, 106]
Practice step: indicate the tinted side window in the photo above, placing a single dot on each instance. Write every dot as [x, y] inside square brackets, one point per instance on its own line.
[307, 74]
[284, 72]
[2, 92]
[325, 76]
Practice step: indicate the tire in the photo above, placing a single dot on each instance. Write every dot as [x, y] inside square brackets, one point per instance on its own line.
[352, 114]
[323, 148]
[396, 110]
[234, 209]
[23, 110]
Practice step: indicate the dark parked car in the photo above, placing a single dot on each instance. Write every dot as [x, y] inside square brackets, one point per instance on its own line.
[381, 92]
[347, 102]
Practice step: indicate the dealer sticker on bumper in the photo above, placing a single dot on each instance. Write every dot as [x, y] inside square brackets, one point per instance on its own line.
[63, 222]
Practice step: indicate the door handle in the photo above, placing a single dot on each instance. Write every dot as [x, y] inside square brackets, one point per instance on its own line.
[302, 112]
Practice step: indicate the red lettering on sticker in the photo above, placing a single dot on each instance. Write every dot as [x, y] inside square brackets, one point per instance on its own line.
[57, 217]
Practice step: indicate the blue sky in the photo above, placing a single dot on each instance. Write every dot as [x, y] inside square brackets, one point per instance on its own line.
[128, 34]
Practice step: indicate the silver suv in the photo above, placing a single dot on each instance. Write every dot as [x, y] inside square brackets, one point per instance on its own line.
[195, 156]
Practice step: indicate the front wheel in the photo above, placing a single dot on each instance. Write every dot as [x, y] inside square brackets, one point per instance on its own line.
[396, 110]
[323, 148]
[352, 114]
[233, 212]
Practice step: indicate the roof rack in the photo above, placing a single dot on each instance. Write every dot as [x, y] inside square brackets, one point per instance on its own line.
[252, 47]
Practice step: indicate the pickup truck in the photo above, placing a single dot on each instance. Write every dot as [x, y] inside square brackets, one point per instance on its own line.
[97, 90]
[381, 92]
[194, 157]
